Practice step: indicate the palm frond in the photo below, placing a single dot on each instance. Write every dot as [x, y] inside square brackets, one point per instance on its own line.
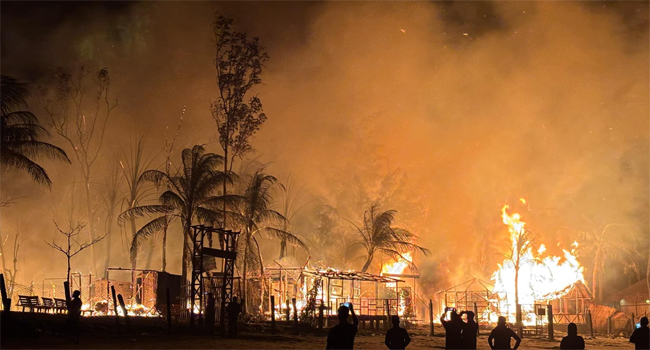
[145, 231]
[142, 211]
[286, 236]
[37, 149]
[18, 161]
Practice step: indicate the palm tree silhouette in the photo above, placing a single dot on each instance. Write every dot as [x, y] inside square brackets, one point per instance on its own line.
[378, 236]
[188, 197]
[20, 134]
[255, 217]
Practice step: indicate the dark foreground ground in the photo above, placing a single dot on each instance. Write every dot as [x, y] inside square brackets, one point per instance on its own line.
[39, 332]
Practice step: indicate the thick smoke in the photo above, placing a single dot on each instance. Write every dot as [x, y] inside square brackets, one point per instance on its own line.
[442, 112]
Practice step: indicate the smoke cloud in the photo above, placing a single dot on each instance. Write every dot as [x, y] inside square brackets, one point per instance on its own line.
[441, 111]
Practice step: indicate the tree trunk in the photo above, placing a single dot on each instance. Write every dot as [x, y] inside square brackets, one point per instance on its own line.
[134, 257]
[152, 245]
[516, 287]
[109, 229]
[91, 220]
[647, 274]
[367, 264]
[164, 246]
[283, 249]
[595, 276]
[68, 274]
[186, 251]
[262, 279]
[107, 260]
[244, 293]
[225, 171]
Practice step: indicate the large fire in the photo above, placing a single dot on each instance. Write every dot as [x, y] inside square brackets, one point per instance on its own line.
[398, 266]
[541, 277]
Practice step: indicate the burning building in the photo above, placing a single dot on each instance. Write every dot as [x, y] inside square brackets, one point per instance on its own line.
[528, 277]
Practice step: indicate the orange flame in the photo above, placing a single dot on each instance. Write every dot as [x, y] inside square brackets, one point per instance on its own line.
[398, 266]
[541, 278]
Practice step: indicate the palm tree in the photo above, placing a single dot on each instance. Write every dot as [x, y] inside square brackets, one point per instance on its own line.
[134, 165]
[605, 246]
[256, 217]
[188, 197]
[20, 133]
[378, 236]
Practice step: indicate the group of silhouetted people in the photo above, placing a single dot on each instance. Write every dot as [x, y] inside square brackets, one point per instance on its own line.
[461, 334]
[458, 333]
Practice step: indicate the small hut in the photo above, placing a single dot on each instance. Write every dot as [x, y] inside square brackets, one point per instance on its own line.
[633, 299]
[474, 295]
[573, 305]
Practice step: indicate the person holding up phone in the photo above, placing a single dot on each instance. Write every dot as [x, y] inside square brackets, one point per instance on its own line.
[453, 328]
[641, 336]
[341, 336]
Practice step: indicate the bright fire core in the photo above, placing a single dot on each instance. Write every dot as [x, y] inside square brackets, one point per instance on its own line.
[541, 277]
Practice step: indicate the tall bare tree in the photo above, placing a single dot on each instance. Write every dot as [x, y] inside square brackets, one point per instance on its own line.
[134, 165]
[169, 149]
[289, 196]
[72, 247]
[239, 62]
[110, 199]
[11, 273]
[83, 125]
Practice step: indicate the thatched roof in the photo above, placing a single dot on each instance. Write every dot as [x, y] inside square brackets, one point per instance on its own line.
[637, 291]
[350, 275]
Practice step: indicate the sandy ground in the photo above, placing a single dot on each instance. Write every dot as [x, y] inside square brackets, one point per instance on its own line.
[46, 331]
[263, 341]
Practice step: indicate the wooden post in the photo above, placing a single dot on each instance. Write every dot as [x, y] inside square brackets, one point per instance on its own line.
[590, 323]
[633, 323]
[320, 315]
[387, 324]
[126, 314]
[287, 311]
[169, 311]
[476, 320]
[117, 317]
[272, 314]
[609, 326]
[327, 319]
[431, 317]
[295, 315]
[550, 321]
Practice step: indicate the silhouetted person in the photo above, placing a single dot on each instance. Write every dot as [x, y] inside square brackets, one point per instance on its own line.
[74, 312]
[501, 335]
[233, 310]
[341, 336]
[453, 328]
[397, 338]
[641, 336]
[209, 313]
[572, 339]
[470, 330]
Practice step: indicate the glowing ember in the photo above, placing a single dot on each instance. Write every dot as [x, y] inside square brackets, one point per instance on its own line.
[541, 278]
